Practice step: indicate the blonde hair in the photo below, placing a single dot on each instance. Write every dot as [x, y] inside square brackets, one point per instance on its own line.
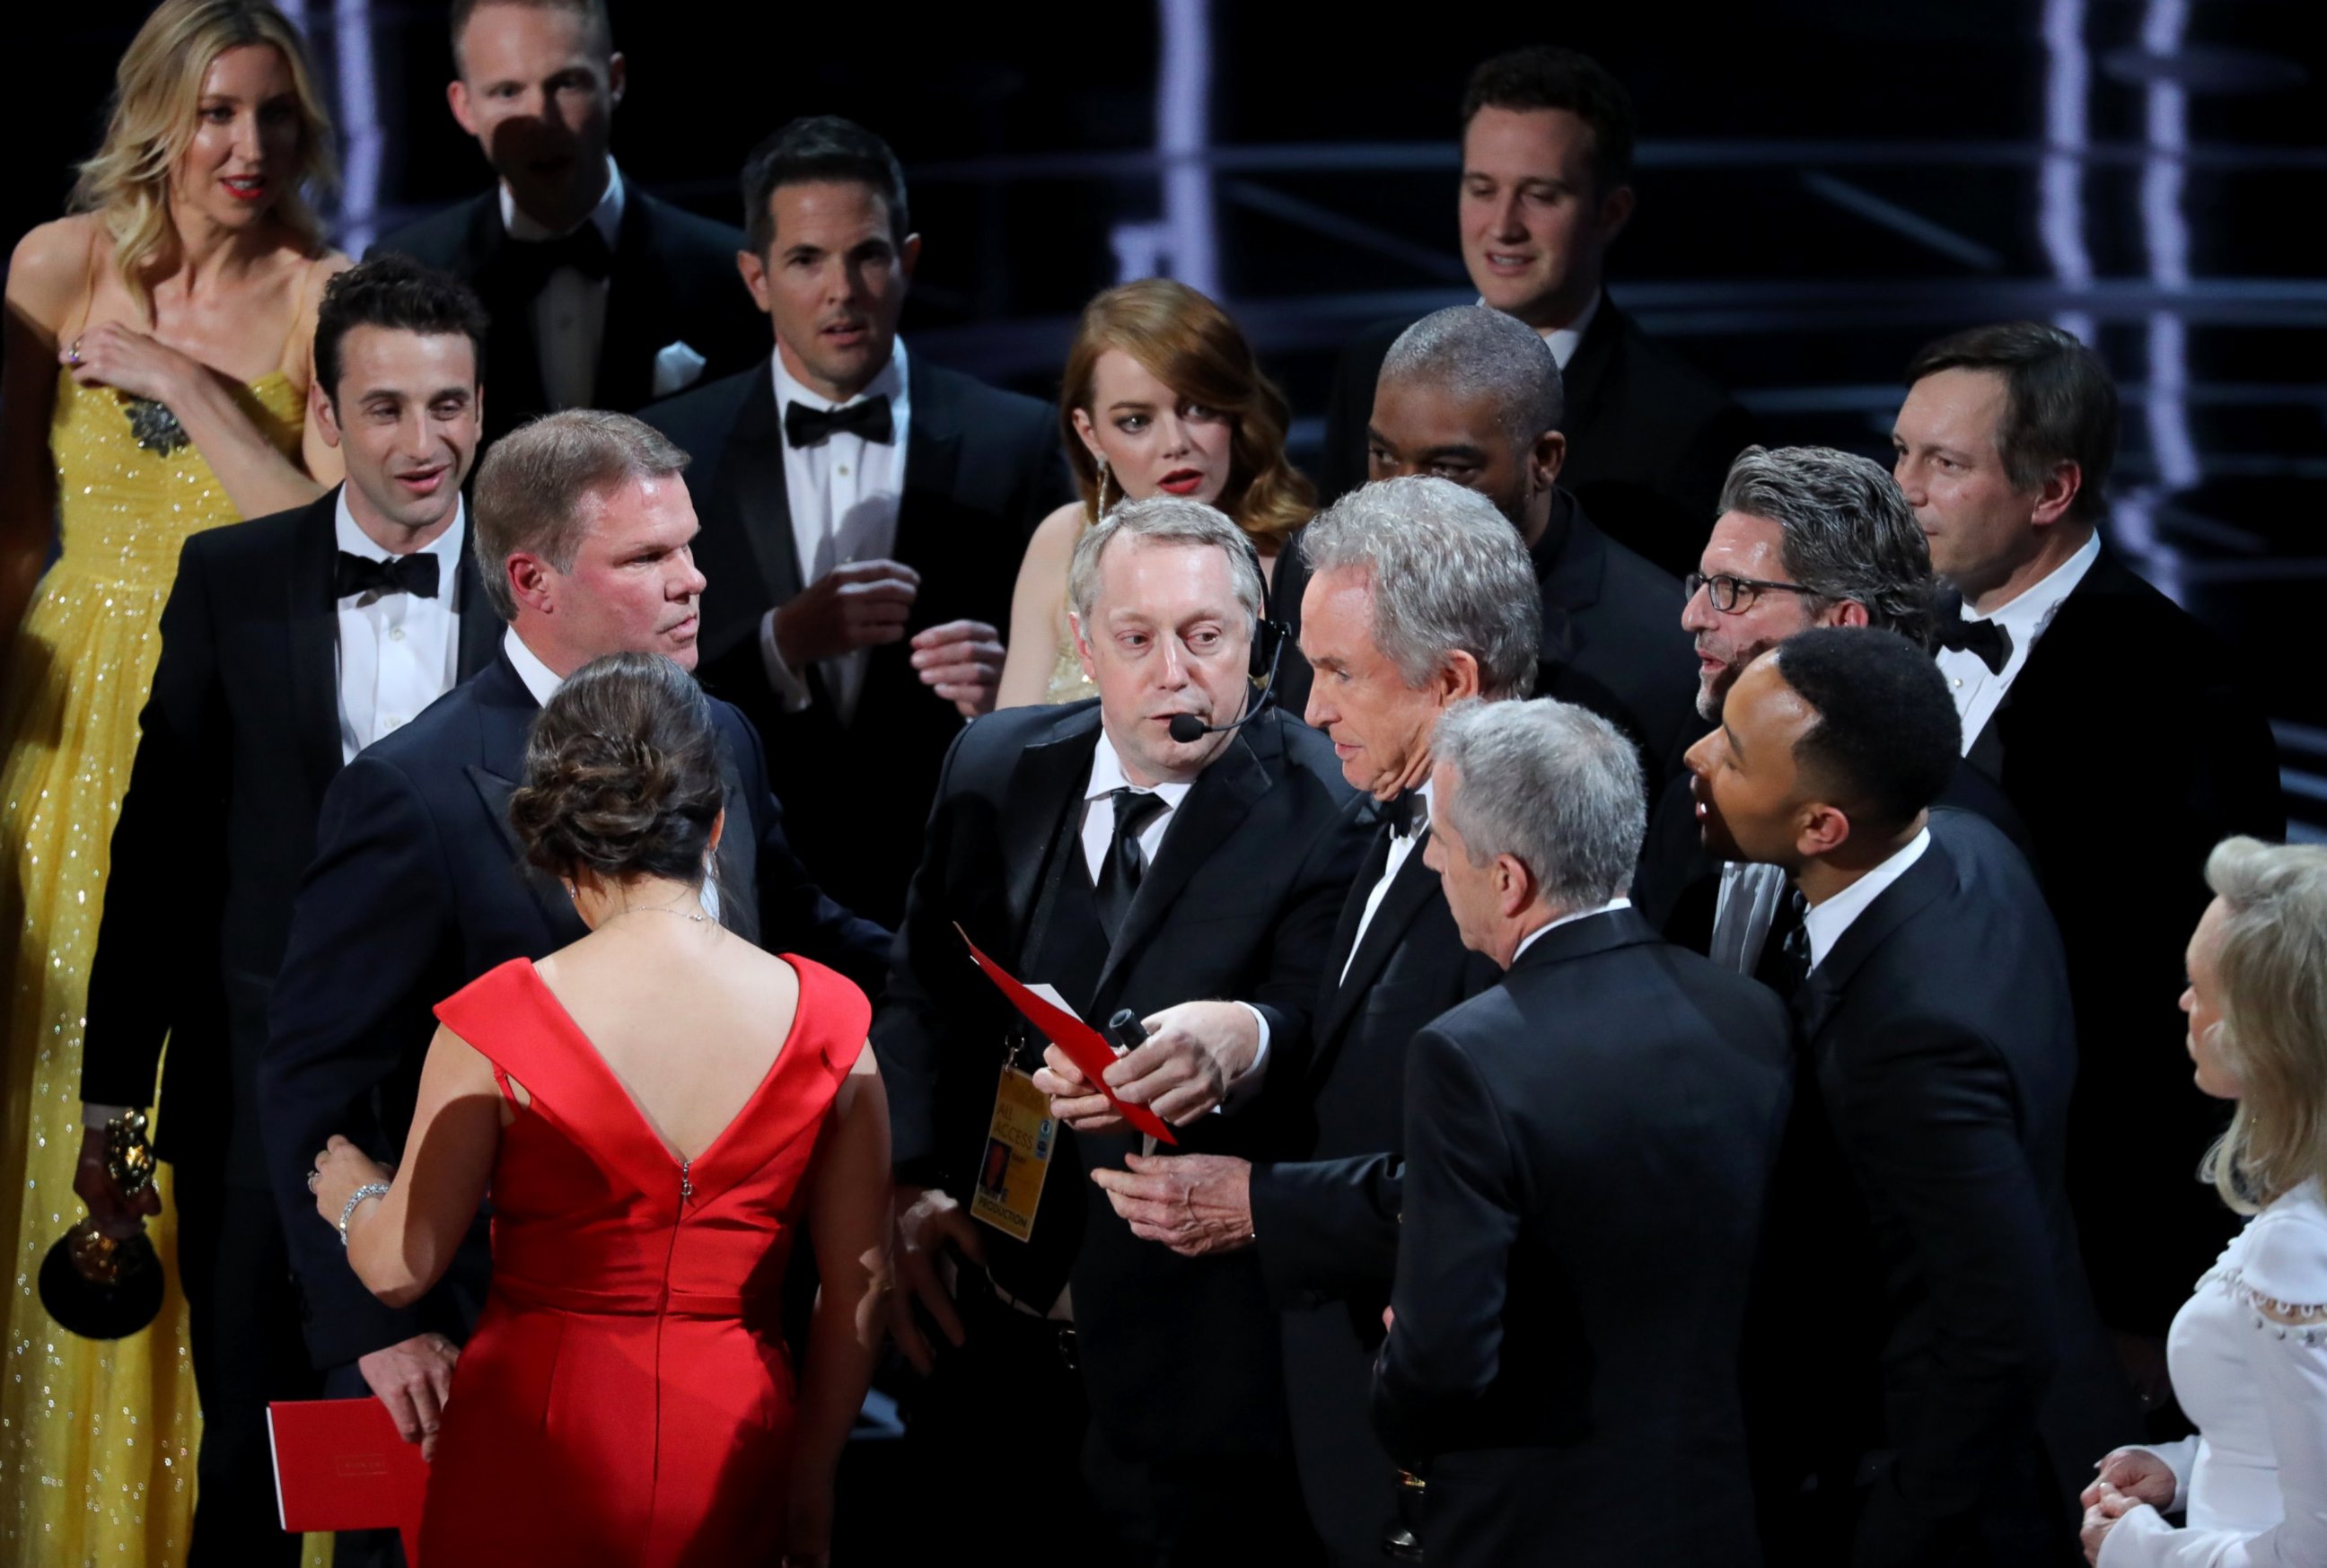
[2273, 1034]
[1189, 343]
[157, 90]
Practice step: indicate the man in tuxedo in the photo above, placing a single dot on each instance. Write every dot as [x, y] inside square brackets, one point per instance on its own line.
[289, 643]
[602, 296]
[863, 513]
[419, 885]
[1420, 596]
[1472, 396]
[1589, 1145]
[2004, 445]
[1807, 537]
[1546, 187]
[1957, 1384]
[1092, 847]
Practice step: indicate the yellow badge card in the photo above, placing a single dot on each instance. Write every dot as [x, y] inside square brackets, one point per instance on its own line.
[1018, 1148]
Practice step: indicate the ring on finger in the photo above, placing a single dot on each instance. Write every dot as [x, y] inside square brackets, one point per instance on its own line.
[73, 354]
[313, 1178]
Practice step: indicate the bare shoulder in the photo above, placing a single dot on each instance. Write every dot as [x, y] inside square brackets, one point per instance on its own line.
[313, 271]
[51, 269]
[1055, 537]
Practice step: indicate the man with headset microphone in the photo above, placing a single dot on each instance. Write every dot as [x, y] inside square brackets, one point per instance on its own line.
[1179, 850]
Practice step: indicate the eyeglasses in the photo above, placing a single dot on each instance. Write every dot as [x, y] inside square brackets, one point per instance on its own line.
[1731, 594]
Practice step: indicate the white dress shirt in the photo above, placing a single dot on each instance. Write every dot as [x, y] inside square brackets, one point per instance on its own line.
[543, 682]
[1825, 922]
[1401, 846]
[842, 493]
[1979, 691]
[1107, 775]
[397, 652]
[1529, 940]
[569, 314]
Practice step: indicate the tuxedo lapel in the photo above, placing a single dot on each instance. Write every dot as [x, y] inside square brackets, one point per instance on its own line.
[1408, 894]
[1585, 379]
[752, 471]
[932, 460]
[1045, 779]
[481, 629]
[512, 358]
[625, 372]
[1353, 907]
[505, 713]
[1223, 793]
[1897, 904]
[736, 861]
[313, 618]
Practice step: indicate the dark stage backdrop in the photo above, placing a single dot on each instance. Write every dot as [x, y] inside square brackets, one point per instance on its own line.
[1824, 185]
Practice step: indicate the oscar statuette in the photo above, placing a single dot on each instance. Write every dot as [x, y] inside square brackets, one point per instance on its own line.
[105, 1283]
[1401, 1541]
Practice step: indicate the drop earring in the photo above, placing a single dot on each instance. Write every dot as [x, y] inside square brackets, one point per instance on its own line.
[1098, 508]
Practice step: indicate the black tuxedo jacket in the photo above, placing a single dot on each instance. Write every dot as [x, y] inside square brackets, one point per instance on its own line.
[1939, 1036]
[418, 887]
[1611, 637]
[241, 737]
[2124, 865]
[1589, 1145]
[1179, 1355]
[1328, 1219]
[982, 468]
[1649, 436]
[674, 281]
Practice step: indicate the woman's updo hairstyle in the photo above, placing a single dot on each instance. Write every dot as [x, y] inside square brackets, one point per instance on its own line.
[622, 774]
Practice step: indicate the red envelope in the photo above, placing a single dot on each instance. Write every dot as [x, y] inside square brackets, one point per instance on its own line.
[340, 1465]
[1084, 1046]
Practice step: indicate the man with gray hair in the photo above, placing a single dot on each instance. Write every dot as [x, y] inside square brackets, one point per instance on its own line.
[1420, 596]
[1171, 853]
[1473, 396]
[1569, 1389]
[418, 886]
[1807, 537]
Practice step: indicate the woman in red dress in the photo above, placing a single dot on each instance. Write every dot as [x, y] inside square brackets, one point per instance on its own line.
[656, 1110]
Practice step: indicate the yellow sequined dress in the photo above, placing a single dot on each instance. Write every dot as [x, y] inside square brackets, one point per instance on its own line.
[96, 1441]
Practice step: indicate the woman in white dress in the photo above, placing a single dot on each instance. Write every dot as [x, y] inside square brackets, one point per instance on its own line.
[2248, 1349]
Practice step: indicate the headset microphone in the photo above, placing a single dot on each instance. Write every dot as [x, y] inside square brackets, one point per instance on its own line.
[1187, 728]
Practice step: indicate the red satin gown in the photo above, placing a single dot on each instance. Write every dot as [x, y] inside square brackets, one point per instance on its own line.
[627, 1397]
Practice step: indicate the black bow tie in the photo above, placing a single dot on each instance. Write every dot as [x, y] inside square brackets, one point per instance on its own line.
[870, 420]
[1407, 812]
[1984, 639]
[415, 574]
[584, 250]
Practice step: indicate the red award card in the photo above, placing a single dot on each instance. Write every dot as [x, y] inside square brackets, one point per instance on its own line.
[1091, 1054]
[340, 1464]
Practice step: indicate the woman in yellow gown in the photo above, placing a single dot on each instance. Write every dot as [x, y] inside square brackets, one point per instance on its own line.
[155, 384]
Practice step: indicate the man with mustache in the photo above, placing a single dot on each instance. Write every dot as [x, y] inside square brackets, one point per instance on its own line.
[602, 296]
[1807, 536]
[583, 543]
[863, 513]
[1104, 849]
